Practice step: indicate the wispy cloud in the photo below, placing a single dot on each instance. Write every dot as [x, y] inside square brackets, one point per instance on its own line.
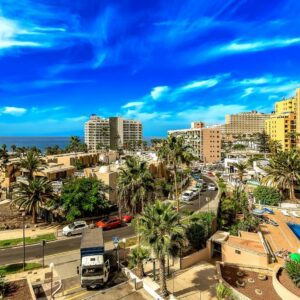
[159, 91]
[133, 104]
[77, 119]
[13, 111]
[236, 47]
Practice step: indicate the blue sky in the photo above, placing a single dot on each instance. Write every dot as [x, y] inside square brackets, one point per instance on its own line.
[166, 63]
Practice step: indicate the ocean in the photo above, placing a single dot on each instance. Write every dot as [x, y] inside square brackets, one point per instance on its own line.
[30, 141]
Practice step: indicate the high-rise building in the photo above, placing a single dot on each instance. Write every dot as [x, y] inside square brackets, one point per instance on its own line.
[204, 141]
[113, 132]
[246, 123]
[284, 124]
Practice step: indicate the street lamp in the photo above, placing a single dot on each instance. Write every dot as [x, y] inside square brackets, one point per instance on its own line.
[51, 269]
[124, 252]
[43, 251]
[23, 225]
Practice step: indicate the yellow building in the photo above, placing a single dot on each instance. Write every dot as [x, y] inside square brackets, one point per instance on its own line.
[284, 124]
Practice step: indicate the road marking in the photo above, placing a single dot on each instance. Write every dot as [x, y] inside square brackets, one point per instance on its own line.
[79, 295]
[71, 289]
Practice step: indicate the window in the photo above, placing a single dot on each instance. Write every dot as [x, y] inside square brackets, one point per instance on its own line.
[237, 251]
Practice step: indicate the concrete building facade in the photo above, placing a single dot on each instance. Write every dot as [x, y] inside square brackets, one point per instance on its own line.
[246, 123]
[204, 141]
[284, 124]
[113, 132]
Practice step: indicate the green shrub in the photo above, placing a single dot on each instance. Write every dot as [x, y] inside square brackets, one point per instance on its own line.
[196, 235]
[223, 292]
[293, 270]
[267, 195]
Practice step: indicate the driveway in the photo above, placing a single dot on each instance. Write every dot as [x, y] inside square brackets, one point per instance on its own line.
[197, 282]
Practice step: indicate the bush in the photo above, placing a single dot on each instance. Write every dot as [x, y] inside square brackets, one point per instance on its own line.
[196, 235]
[267, 195]
[293, 270]
[223, 292]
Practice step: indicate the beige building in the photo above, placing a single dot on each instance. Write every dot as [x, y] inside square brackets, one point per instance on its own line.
[113, 132]
[246, 123]
[55, 172]
[284, 124]
[204, 141]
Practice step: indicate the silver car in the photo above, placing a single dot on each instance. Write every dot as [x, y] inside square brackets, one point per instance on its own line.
[76, 227]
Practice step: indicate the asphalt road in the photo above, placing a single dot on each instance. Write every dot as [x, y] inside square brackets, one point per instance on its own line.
[15, 255]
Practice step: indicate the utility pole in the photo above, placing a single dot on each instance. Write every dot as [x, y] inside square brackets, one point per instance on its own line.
[23, 219]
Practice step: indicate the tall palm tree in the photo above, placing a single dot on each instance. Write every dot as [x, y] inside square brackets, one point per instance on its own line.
[275, 146]
[241, 167]
[74, 143]
[31, 163]
[161, 230]
[283, 171]
[32, 195]
[13, 148]
[177, 153]
[135, 185]
[4, 157]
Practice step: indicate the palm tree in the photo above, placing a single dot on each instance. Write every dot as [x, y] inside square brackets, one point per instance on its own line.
[32, 195]
[241, 167]
[31, 163]
[4, 155]
[175, 151]
[74, 143]
[275, 146]
[135, 185]
[13, 148]
[136, 258]
[283, 171]
[161, 230]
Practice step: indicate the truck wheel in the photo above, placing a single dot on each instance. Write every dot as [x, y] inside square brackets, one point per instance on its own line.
[69, 234]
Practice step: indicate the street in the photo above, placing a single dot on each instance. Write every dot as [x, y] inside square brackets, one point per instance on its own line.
[15, 255]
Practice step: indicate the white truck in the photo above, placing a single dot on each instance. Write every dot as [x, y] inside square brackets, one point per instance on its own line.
[94, 265]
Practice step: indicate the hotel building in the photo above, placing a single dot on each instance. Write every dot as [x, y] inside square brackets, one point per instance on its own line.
[284, 124]
[113, 132]
[246, 123]
[204, 141]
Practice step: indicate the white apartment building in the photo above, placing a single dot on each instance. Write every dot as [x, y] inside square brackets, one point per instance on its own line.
[204, 141]
[97, 132]
[113, 132]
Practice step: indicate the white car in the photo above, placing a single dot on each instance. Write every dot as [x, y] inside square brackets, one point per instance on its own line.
[76, 227]
[211, 187]
[196, 191]
[187, 195]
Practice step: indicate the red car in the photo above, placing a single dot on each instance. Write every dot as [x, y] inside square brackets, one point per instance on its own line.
[109, 223]
[127, 218]
[210, 174]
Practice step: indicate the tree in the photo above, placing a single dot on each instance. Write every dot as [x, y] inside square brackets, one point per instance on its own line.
[177, 153]
[263, 142]
[275, 146]
[239, 147]
[135, 186]
[13, 148]
[283, 171]
[267, 195]
[136, 258]
[241, 167]
[223, 292]
[31, 163]
[196, 235]
[227, 212]
[32, 195]
[293, 270]
[82, 196]
[74, 144]
[161, 229]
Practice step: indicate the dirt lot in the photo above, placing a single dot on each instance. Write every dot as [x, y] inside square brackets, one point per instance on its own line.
[268, 293]
[18, 290]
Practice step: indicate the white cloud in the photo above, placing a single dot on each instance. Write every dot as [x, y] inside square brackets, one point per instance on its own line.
[133, 104]
[77, 119]
[210, 114]
[253, 46]
[247, 92]
[158, 91]
[14, 111]
[200, 84]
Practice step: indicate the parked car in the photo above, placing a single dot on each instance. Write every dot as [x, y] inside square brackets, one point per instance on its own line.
[196, 191]
[76, 227]
[211, 187]
[199, 185]
[187, 195]
[127, 218]
[109, 223]
[210, 174]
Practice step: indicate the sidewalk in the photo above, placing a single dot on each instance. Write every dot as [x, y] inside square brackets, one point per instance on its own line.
[29, 232]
